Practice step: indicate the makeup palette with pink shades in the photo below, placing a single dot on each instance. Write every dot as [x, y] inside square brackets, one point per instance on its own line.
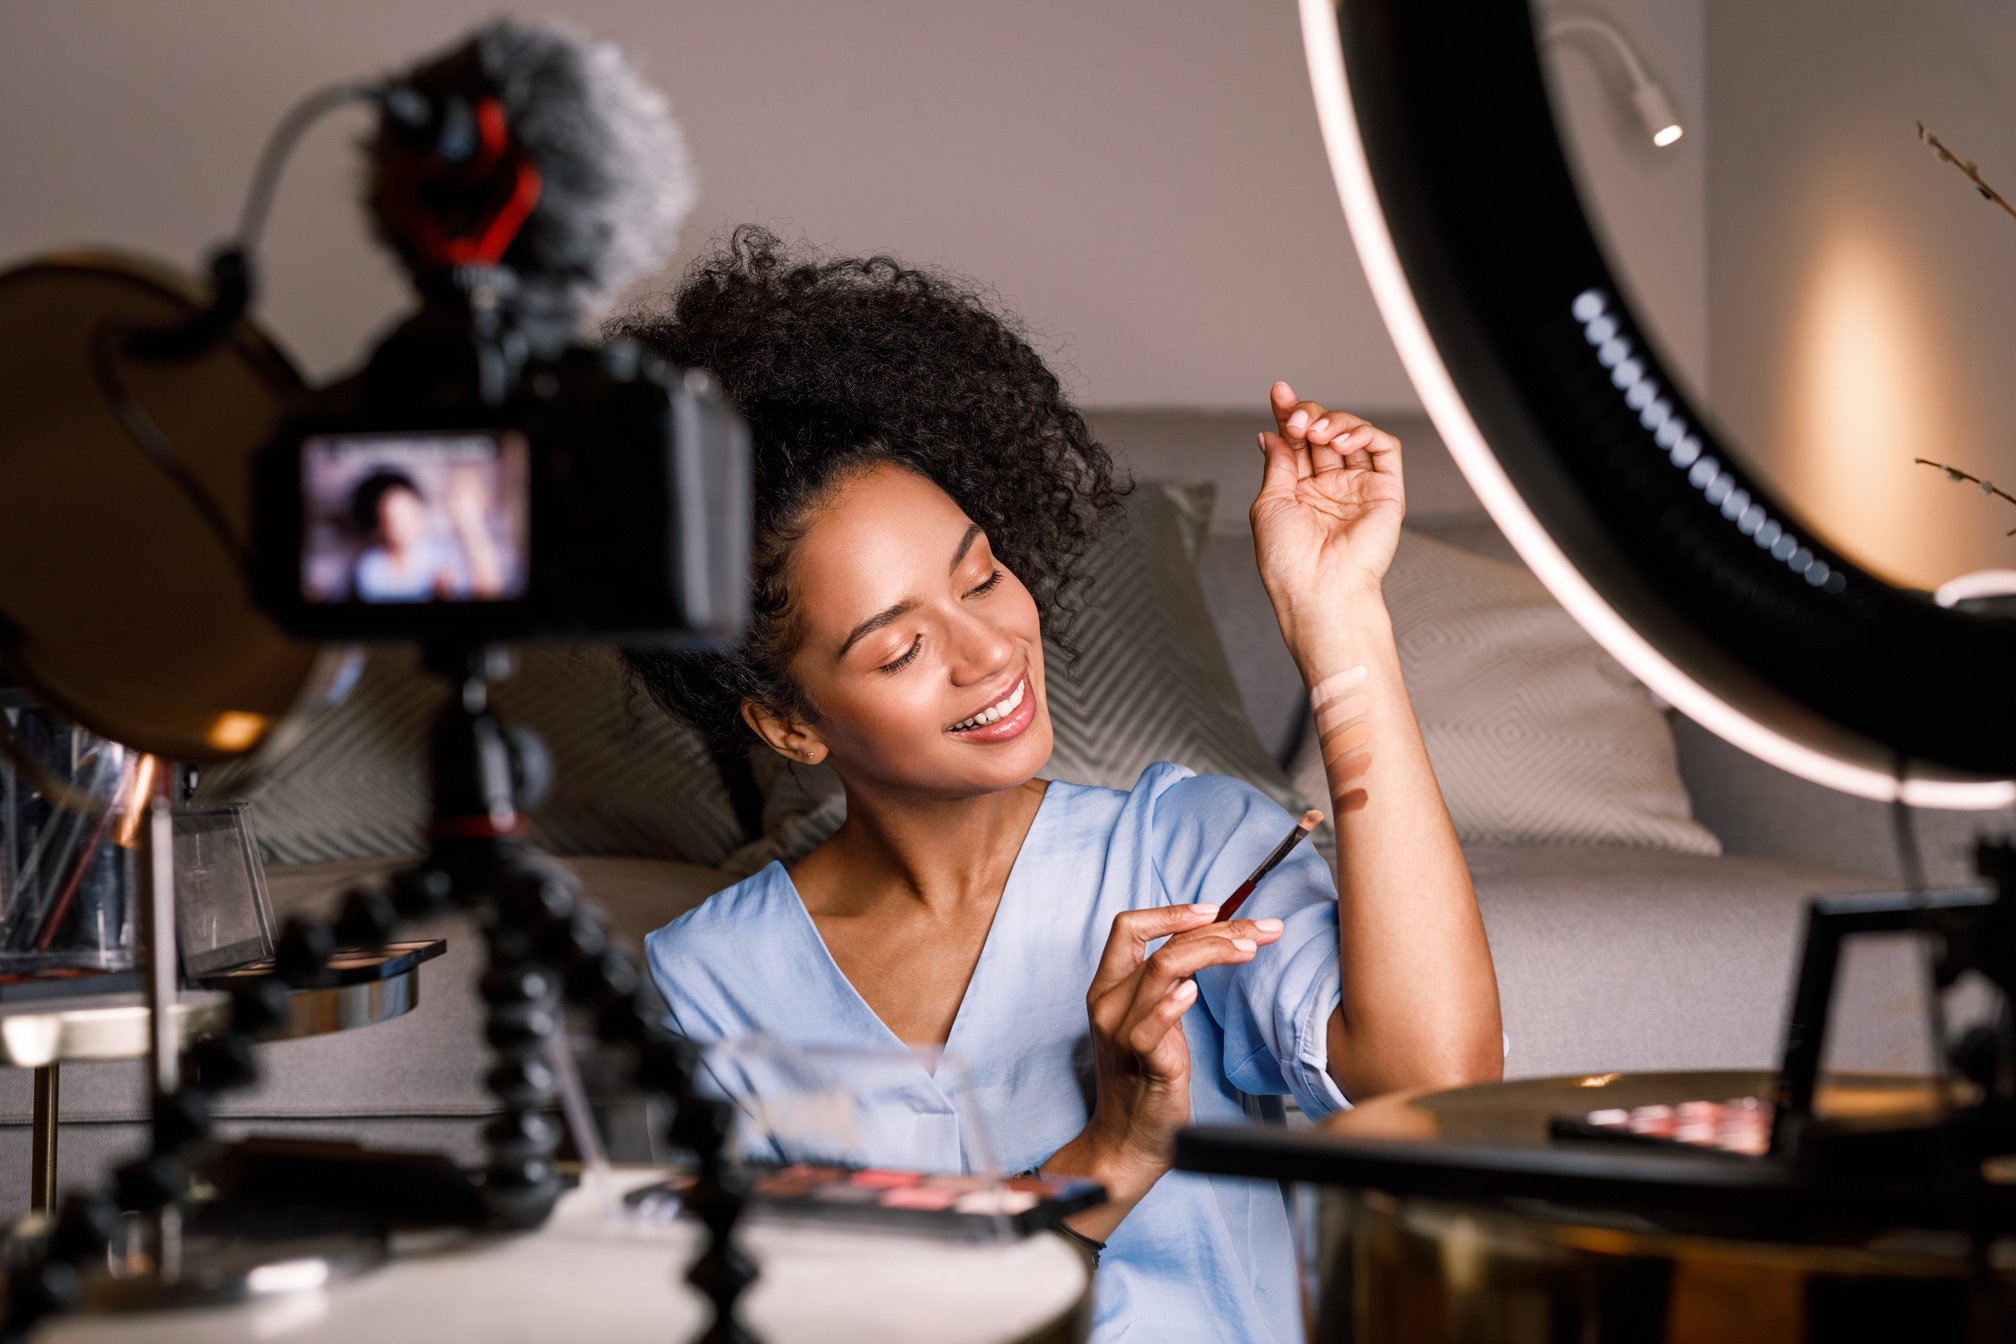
[932, 1203]
[1740, 1126]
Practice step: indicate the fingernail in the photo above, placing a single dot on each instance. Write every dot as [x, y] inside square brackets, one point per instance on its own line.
[1319, 426]
[1261, 439]
[1245, 944]
[1185, 991]
[1267, 925]
[1298, 420]
[1203, 909]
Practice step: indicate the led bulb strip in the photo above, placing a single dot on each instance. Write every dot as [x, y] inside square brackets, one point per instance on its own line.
[1603, 328]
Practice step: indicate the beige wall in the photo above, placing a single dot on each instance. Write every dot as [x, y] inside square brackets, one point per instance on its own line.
[1648, 203]
[1144, 183]
[1862, 297]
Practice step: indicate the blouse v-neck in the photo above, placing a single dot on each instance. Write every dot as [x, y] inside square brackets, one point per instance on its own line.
[858, 1004]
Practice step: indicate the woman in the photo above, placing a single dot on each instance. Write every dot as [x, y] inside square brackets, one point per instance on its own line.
[409, 558]
[924, 491]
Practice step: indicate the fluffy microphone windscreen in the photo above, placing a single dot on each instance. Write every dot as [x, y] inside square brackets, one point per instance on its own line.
[616, 179]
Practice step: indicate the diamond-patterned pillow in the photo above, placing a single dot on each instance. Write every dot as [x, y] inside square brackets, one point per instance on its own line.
[1537, 736]
[627, 778]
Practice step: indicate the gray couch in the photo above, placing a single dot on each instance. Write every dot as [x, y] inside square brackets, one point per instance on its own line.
[1608, 958]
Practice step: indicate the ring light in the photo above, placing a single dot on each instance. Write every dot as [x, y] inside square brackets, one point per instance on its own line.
[1608, 482]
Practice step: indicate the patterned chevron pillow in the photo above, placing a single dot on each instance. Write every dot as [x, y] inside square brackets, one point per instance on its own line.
[1537, 736]
[628, 779]
[1151, 683]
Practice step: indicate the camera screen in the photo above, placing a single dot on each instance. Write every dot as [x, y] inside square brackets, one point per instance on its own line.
[414, 517]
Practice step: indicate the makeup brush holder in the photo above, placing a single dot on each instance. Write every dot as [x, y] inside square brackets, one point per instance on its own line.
[69, 849]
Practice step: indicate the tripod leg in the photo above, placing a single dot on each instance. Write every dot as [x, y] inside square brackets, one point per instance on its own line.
[604, 980]
[520, 1185]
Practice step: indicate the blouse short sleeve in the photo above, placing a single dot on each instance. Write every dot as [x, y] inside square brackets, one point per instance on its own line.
[1209, 833]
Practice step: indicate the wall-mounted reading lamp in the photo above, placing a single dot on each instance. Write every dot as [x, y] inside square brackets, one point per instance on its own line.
[1648, 95]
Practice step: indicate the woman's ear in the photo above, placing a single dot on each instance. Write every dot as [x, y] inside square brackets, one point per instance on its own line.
[789, 737]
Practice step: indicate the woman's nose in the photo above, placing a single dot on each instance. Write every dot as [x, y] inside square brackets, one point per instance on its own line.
[984, 651]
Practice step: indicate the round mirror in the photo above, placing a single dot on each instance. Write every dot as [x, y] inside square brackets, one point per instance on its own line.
[119, 605]
[1705, 516]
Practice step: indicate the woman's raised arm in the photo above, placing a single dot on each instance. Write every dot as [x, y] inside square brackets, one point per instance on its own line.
[1420, 1003]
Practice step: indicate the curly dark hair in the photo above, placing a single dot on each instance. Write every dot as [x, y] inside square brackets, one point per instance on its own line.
[369, 496]
[845, 362]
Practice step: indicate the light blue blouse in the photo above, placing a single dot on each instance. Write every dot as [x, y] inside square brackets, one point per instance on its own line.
[1202, 1258]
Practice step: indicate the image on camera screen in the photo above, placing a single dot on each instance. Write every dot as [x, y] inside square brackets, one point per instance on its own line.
[414, 517]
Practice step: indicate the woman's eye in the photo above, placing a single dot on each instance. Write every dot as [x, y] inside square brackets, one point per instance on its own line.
[987, 587]
[908, 658]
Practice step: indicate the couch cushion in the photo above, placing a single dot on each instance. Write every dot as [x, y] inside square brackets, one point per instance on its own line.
[1537, 735]
[1270, 686]
[1618, 959]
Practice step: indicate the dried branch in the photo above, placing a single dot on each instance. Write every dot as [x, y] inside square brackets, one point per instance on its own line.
[1985, 487]
[1966, 166]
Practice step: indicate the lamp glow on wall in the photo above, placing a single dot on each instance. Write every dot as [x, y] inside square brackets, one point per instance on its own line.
[1648, 95]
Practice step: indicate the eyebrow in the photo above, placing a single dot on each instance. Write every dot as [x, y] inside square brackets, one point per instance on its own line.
[903, 608]
[965, 545]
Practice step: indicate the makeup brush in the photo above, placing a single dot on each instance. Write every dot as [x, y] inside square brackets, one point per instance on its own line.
[1232, 903]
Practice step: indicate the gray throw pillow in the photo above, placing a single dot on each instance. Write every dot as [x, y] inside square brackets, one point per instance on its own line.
[1537, 736]
[627, 778]
[1151, 683]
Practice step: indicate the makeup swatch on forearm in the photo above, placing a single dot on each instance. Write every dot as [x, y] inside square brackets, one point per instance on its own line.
[1344, 732]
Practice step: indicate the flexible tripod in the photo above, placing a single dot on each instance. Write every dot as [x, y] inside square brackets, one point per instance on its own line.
[547, 949]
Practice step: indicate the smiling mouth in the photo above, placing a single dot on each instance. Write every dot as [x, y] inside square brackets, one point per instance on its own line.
[997, 711]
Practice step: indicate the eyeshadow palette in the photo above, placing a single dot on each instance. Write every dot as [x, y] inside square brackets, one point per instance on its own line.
[963, 1207]
[1739, 1126]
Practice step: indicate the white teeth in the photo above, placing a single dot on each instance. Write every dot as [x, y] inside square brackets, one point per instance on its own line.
[995, 712]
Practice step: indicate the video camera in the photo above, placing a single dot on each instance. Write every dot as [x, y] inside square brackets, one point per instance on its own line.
[485, 476]
[596, 493]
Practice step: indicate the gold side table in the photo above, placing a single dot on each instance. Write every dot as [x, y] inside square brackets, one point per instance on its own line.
[1434, 1228]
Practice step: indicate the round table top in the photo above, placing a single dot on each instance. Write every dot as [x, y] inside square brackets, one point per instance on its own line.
[592, 1274]
[1490, 1142]
[97, 1027]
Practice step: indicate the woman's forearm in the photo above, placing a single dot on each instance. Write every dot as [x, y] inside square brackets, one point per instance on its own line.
[1420, 1003]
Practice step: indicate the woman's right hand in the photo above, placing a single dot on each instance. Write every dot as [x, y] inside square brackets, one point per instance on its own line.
[1140, 1056]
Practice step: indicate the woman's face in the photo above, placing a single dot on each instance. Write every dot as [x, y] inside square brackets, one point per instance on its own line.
[921, 656]
[402, 518]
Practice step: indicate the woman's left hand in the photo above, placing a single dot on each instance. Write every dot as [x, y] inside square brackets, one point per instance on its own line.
[1328, 515]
